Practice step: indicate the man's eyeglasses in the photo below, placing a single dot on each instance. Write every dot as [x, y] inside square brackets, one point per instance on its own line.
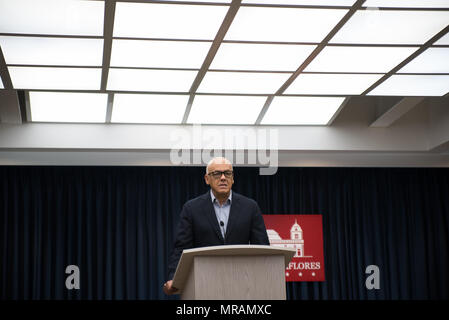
[218, 174]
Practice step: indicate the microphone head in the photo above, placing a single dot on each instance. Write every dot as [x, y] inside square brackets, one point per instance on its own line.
[222, 223]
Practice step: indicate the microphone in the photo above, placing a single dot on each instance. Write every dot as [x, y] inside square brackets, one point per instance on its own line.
[222, 223]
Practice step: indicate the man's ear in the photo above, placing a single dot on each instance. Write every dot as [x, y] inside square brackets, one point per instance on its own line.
[206, 179]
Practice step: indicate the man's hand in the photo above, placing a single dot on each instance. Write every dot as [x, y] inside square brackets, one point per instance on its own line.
[168, 289]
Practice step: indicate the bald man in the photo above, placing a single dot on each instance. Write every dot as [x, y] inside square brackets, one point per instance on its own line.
[218, 217]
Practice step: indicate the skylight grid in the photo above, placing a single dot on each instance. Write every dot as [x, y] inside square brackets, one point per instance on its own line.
[66, 51]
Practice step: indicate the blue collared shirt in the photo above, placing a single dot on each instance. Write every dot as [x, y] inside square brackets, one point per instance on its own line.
[222, 211]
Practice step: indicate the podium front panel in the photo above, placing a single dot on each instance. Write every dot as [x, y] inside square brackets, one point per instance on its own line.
[236, 278]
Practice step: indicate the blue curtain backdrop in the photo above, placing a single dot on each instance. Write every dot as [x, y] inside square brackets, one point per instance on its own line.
[117, 224]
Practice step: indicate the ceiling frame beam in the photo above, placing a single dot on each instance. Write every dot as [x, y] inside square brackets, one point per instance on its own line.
[396, 112]
[109, 13]
[198, 93]
[223, 70]
[424, 47]
[4, 73]
[340, 44]
[109, 108]
[320, 47]
[230, 15]
[357, 5]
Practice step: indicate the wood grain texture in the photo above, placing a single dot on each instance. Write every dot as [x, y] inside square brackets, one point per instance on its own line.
[238, 278]
[186, 261]
[189, 288]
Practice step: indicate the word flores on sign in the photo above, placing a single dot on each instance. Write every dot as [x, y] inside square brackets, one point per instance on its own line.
[304, 233]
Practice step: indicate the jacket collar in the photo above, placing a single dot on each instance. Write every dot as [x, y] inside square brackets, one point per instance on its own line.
[213, 197]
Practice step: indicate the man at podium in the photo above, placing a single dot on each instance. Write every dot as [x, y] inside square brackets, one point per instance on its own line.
[219, 217]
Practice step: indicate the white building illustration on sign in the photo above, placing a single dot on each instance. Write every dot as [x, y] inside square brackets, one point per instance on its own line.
[296, 241]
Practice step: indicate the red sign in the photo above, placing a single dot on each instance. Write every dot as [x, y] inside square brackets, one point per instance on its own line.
[303, 233]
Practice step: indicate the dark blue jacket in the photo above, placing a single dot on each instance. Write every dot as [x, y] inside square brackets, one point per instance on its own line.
[198, 226]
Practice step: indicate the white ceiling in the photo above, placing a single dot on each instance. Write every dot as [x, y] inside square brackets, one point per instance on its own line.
[254, 47]
[252, 63]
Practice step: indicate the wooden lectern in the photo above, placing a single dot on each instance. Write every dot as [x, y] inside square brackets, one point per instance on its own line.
[234, 272]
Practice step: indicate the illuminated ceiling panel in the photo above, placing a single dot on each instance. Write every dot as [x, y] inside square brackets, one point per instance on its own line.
[52, 17]
[283, 24]
[199, 1]
[391, 27]
[68, 107]
[50, 78]
[444, 40]
[266, 57]
[433, 60]
[359, 59]
[242, 82]
[52, 51]
[345, 3]
[413, 85]
[169, 21]
[407, 3]
[150, 80]
[332, 84]
[160, 54]
[225, 109]
[148, 108]
[302, 110]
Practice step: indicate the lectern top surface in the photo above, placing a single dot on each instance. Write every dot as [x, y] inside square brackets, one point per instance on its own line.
[187, 256]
